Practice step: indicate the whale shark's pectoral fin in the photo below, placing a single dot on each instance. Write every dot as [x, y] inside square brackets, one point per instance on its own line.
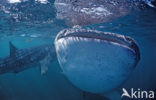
[45, 64]
[13, 49]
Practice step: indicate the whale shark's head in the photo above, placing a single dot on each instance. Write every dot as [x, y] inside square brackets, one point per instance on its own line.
[96, 61]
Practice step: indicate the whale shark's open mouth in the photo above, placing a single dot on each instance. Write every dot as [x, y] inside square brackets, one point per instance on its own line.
[118, 39]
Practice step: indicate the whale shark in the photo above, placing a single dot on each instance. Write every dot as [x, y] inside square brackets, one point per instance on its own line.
[95, 61]
[22, 59]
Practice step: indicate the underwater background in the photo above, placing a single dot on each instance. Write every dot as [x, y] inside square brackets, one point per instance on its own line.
[32, 22]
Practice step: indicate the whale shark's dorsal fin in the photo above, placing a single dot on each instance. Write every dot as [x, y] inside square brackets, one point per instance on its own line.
[13, 49]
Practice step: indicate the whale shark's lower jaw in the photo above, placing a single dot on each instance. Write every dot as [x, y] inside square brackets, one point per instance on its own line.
[96, 61]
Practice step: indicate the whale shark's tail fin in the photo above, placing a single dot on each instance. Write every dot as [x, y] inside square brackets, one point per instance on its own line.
[13, 49]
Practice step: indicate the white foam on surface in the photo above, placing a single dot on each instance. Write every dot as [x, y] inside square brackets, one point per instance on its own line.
[96, 11]
[14, 1]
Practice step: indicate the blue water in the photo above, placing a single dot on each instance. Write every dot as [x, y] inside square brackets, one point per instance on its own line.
[30, 23]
